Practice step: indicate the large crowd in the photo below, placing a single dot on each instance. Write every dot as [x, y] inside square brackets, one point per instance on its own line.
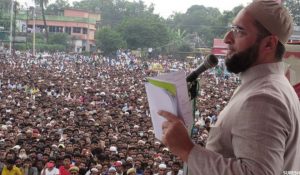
[67, 114]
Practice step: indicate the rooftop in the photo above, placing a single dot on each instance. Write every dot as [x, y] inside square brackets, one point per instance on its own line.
[23, 16]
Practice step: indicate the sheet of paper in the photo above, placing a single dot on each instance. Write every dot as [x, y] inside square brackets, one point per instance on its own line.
[168, 92]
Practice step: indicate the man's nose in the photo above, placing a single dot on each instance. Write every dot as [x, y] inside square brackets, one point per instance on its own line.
[228, 38]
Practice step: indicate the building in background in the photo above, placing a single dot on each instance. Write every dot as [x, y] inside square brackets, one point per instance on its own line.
[79, 24]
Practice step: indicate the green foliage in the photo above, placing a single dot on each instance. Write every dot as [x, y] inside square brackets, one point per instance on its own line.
[294, 7]
[185, 48]
[177, 38]
[57, 42]
[59, 38]
[228, 16]
[20, 46]
[114, 12]
[41, 47]
[109, 40]
[39, 38]
[57, 7]
[204, 21]
[144, 32]
[5, 6]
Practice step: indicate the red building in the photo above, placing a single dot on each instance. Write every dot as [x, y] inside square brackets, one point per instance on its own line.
[219, 47]
[80, 24]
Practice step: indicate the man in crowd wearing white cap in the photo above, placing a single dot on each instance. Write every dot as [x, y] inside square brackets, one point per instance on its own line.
[112, 171]
[258, 131]
[162, 169]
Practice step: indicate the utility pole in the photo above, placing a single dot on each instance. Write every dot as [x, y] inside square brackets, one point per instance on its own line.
[297, 16]
[33, 44]
[88, 33]
[11, 25]
[14, 28]
[27, 13]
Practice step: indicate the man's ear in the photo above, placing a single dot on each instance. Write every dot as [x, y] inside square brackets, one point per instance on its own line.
[269, 43]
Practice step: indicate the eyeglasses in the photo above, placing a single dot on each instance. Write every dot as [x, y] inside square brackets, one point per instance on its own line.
[237, 31]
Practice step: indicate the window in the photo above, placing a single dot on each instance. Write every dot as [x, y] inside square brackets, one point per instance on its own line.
[84, 30]
[76, 30]
[58, 29]
[51, 28]
[68, 30]
[55, 29]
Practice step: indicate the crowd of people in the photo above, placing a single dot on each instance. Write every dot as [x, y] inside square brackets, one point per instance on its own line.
[75, 115]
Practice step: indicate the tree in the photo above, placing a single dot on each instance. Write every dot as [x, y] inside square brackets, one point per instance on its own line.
[43, 3]
[114, 12]
[201, 20]
[5, 6]
[59, 38]
[204, 23]
[228, 16]
[57, 7]
[109, 40]
[176, 39]
[144, 32]
[294, 7]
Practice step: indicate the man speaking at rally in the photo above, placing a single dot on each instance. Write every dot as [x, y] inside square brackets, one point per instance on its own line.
[257, 133]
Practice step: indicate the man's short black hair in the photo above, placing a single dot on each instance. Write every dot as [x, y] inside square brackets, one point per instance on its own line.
[10, 161]
[68, 157]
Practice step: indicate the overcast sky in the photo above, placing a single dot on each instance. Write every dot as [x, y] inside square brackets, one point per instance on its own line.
[166, 7]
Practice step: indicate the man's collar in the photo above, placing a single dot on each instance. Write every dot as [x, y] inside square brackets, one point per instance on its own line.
[262, 70]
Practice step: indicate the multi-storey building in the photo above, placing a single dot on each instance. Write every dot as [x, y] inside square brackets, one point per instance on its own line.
[80, 24]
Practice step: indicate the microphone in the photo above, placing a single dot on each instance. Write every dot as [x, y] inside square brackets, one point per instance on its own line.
[209, 62]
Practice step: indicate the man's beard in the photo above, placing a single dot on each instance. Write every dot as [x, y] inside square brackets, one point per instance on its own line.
[241, 61]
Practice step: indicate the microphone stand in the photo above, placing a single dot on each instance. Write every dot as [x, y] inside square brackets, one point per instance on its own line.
[193, 89]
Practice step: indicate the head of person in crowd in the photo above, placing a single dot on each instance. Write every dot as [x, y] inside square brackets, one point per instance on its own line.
[22, 153]
[2, 153]
[162, 169]
[82, 167]
[131, 171]
[148, 171]
[175, 167]
[74, 170]
[50, 165]
[39, 164]
[112, 171]
[10, 155]
[10, 163]
[105, 168]
[18, 162]
[95, 171]
[67, 161]
[119, 167]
